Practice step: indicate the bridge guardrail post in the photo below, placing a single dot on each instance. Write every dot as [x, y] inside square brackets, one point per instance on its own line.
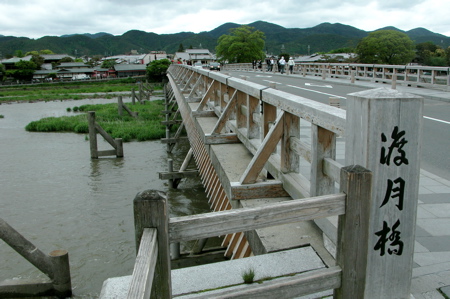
[150, 211]
[383, 134]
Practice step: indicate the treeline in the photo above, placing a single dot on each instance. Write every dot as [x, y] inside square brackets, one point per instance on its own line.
[321, 38]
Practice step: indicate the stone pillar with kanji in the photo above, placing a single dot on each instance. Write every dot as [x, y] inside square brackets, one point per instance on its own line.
[383, 134]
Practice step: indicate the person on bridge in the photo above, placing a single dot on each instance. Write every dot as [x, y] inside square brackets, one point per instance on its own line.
[291, 64]
[282, 63]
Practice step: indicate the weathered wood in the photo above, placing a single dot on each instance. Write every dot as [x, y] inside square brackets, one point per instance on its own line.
[260, 158]
[353, 232]
[25, 248]
[144, 267]
[325, 116]
[301, 148]
[221, 139]
[384, 135]
[105, 135]
[177, 174]
[287, 287]
[252, 125]
[174, 140]
[62, 284]
[332, 169]
[92, 134]
[289, 159]
[55, 266]
[205, 113]
[257, 190]
[150, 211]
[225, 114]
[17, 288]
[323, 143]
[236, 220]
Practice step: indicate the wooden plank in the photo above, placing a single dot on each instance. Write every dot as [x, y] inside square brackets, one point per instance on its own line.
[289, 159]
[287, 287]
[323, 115]
[18, 288]
[144, 267]
[225, 114]
[106, 153]
[205, 113]
[257, 190]
[221, 139]
[301, 148]
[206, 97]
[236, 220]
[260, 158]
[332, 168]
[174, 140]
[177, 174]
[353, 232]
[105, 135]
[252, 124]
[323, 145]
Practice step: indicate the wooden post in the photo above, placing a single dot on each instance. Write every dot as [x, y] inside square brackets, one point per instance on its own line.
[92, 134]
[133, 96]
[352, 78]
[59, 260]
[353, 232]
[120, 105]
[119, 148]
[170, 170]
[150, 211]
[384, 129]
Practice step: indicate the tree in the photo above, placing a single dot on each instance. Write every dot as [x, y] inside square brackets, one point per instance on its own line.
[24, 70]
[244, 44]
[180, 48]
[156, 70]
[386, 47]
[2, 72]
[108, 63]
[38, 60]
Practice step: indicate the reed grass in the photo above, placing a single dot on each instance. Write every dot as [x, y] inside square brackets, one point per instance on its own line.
[146, 127]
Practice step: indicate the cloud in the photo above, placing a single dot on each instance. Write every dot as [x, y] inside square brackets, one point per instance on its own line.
[56, 17]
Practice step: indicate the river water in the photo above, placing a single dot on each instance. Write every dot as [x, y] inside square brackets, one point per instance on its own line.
[58, 198]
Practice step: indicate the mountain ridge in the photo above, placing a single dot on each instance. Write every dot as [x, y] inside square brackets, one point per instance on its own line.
[320, 38]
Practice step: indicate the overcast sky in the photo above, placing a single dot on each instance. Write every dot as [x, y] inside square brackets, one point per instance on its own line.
[35, 19]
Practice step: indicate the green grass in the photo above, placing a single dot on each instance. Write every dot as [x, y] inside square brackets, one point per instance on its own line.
[146, 127]
[65, 91]
[248, 275]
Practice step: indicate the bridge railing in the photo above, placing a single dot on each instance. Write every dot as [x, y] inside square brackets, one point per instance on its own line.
[381, 129]
[408, 75]
[155, 230]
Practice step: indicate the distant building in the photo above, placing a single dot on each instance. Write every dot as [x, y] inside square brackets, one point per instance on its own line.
[195, 55]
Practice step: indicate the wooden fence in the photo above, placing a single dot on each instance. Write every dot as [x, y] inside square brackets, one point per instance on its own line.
[55, 265]
[95, 128]
[260, 130]
[417, 76]
[145, 90]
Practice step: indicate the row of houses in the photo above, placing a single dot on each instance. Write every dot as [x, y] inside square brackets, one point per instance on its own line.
[125, 65]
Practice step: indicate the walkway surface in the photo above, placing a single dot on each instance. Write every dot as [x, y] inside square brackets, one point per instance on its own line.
[431, 272]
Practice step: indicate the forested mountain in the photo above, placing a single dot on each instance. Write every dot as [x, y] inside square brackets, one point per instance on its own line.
[321, 38]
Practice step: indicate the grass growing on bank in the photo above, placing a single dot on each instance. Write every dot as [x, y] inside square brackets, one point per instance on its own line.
[146, 127]
[66, 90]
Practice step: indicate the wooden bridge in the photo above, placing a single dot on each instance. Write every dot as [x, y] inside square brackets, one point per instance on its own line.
[268, 158]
